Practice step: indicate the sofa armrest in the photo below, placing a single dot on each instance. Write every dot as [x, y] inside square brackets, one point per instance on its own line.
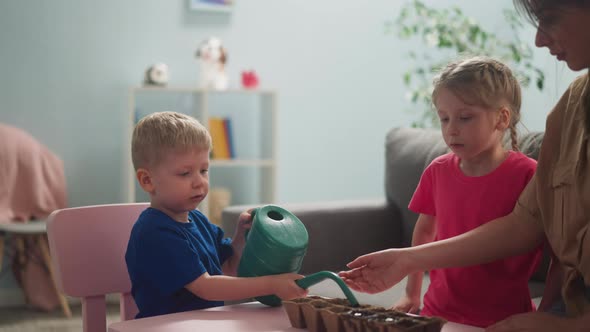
[338, 231]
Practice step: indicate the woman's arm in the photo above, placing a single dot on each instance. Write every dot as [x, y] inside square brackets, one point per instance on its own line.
[542, 322]
[553, 283]
[502, 237]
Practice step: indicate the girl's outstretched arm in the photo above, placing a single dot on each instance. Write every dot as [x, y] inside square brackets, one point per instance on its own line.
[503, 237]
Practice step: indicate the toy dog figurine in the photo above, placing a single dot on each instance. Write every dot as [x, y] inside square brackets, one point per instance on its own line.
[212, 58]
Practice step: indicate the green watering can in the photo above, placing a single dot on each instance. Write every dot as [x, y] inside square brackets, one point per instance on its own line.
[276, 243]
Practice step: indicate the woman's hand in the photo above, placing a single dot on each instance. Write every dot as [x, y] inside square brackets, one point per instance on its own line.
[376, 272]
[535, 322]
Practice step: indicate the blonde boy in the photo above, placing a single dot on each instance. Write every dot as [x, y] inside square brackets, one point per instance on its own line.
[177, 260]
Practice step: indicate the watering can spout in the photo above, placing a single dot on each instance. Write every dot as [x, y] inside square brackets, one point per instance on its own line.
[315, 278]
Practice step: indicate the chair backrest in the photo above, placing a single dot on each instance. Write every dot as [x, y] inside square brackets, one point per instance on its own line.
[87, 246]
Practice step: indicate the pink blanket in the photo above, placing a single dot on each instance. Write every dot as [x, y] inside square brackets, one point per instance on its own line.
[32, 180]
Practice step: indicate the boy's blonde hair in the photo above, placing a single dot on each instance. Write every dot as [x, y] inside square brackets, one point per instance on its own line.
[162, 132]
[484, 82]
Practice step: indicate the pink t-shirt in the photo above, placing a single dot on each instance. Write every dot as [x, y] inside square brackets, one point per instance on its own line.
[484, 294]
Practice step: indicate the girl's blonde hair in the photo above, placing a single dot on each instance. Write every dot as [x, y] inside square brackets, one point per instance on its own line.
[484, 82]
[162, 132]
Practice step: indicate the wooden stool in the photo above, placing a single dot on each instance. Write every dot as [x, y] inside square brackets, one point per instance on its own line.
[36, 229]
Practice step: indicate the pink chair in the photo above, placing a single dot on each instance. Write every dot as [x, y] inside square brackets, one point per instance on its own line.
[87, 246]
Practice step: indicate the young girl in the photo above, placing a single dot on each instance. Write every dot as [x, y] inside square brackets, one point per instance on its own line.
[477, 101]
[553, 207]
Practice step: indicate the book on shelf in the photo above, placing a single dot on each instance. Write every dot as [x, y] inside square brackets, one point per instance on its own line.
[220, 130]
[229, 137]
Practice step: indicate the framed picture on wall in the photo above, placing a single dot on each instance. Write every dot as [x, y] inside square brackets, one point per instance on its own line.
[211, 5]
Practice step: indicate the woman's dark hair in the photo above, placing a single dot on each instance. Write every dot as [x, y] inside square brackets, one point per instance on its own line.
[531, 8]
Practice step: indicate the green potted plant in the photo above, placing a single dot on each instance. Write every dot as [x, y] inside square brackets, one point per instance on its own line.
[451, 33]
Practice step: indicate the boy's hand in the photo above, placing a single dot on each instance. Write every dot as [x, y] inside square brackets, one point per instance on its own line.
[407, 303]
[284, 286]
[239, 238]
[244, 223]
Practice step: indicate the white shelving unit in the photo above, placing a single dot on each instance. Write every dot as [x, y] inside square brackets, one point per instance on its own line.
[200, 5]
[250, 177]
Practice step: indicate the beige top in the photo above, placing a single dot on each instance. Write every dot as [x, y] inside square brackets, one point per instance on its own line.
[558, 196]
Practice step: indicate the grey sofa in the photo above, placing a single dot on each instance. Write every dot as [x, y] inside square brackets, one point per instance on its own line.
[342, 230]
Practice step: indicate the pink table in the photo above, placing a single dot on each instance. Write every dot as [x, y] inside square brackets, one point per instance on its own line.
[251, 316]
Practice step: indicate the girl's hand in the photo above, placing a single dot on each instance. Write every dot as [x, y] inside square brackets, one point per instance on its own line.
[406, 303]
[376, 272]
[534, 321]
[284, 286]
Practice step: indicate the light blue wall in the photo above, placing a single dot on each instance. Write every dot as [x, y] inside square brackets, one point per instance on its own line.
[68, 65]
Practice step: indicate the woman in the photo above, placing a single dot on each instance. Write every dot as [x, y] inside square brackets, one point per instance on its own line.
[554, 206]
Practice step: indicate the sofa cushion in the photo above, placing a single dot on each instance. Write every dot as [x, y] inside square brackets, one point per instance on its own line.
[407, 153]
[530, 144]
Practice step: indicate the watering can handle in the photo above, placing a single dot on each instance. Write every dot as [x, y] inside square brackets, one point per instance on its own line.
[253, 213]
[317, 277]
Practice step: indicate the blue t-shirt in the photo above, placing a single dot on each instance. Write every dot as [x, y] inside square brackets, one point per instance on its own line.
[164, 255]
